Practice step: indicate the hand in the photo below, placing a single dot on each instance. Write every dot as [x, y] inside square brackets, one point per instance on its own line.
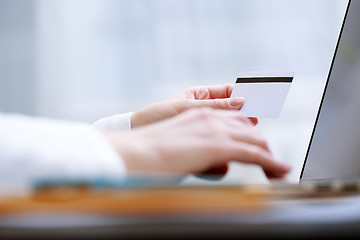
[217, 97]
[194, 142]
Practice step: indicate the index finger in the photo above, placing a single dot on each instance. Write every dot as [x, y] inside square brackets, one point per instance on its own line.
[228, 115]
[220, 91]
[248, 153]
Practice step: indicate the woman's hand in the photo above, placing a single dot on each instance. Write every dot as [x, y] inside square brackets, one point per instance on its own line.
[194, 142]
[217, 97]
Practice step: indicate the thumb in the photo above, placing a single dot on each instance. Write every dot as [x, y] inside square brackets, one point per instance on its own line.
[224, 103]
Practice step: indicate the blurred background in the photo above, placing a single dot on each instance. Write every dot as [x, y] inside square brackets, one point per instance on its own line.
[86, 59]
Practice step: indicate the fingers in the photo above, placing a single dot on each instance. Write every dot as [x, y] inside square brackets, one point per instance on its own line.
[233, 117]
[202, 138]
[209, 92]
[247, 145]
[252, 138]
[225, 104]
[240, 128]
[235, 103]
[254, 120]
[220, 91]
[279, 173]
[248, 153]
[214, 173]
[232, 137]
[220, 170]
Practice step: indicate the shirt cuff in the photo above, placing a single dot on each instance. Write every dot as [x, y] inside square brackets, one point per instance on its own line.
[35, 148]
[118, 122]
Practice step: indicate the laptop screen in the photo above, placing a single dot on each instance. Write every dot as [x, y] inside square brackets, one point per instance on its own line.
[334, 150]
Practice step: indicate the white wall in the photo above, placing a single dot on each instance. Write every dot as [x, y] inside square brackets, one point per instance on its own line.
[17, 53]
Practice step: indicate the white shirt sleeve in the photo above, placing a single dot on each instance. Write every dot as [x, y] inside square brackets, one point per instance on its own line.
[32, 148]
[118, 122]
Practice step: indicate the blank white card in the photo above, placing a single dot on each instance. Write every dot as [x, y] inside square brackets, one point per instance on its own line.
[264, 92]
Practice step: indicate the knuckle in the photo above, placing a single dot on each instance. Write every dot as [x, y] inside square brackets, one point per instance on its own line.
[258, 138]
[216, 149]
[216, 103]
[186, 104]
[262, 142]
[203, 113]
[241, 116]
[258, 153]
[256, 133]
[201, 92]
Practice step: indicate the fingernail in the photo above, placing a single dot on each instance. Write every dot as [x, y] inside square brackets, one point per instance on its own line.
[236, 101]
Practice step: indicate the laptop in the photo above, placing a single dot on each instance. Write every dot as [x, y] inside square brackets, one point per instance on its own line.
[334, 148]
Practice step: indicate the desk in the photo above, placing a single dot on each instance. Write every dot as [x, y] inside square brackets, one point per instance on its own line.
[271, 218]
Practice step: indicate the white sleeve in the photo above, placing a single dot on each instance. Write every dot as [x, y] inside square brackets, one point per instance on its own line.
[118, 122]
[33, 148]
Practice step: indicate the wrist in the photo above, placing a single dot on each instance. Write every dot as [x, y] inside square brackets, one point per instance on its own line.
[146, 115]
[135, 152]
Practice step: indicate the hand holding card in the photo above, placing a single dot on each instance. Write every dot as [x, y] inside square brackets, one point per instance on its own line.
[264, 92]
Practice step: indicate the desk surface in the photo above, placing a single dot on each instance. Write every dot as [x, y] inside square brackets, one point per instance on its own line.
[272, 217]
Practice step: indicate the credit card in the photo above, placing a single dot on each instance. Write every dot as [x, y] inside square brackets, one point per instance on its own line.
[264, 92]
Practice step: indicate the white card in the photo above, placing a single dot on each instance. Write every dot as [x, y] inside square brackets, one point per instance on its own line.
[264, 92]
